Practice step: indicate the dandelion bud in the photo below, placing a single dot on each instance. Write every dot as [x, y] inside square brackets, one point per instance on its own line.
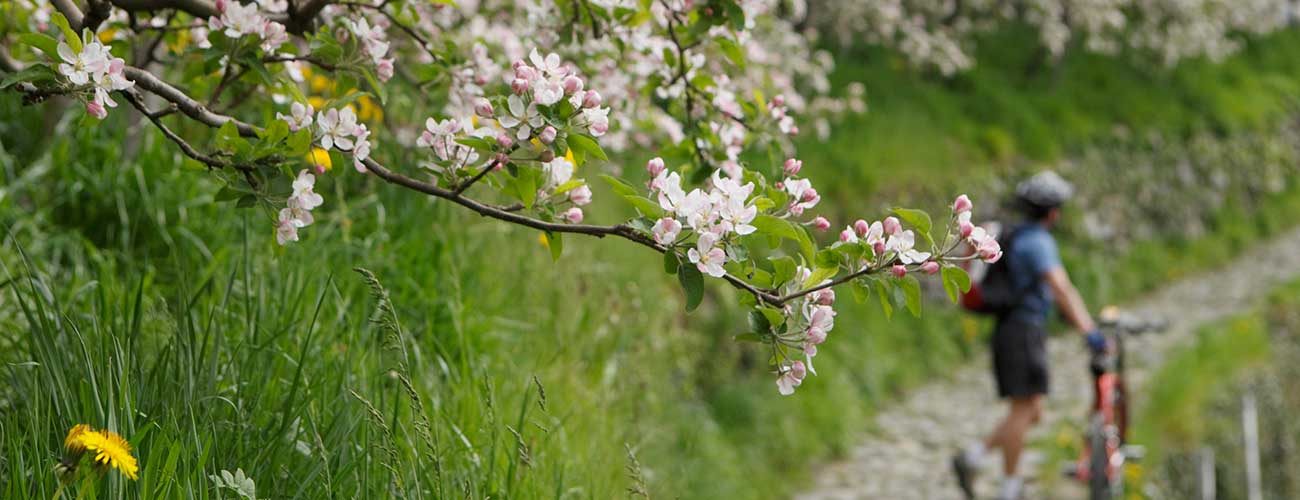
[930, 267]
[572, 84]
[861, 227]
[962, 204]
[519, 85]
[898, 270]
[792, 167]
[573, 215]
[892, 226]
[548, 135]
[655, 166]
[591, 99]
[483, 108]
[821, 224]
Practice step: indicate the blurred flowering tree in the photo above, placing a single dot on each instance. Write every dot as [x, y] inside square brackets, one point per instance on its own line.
[938, 33]
[497, 107]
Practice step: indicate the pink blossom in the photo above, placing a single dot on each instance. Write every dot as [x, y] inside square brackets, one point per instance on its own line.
[892, 226]
[788, 380]
[519, 85]
[708, 258]
[878, 247]
[930, 267]
[572, 84]
[591, 99]
[665, 230]
[848, 236]
[965, 228]
[962, 204]
[505, 141]
[655, 166]
[898, 270]
[825, 296]
[384, 69]
[821, 224]
[96, 109]
[548, 135]
[792, 167]
[580, 195]
[861, 227]
[483, 108]
[573, 215]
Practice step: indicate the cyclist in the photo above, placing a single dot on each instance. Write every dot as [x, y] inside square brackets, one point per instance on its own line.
[1019, 339]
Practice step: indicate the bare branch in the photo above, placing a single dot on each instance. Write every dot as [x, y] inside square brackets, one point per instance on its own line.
[70, 11]
[196, 8]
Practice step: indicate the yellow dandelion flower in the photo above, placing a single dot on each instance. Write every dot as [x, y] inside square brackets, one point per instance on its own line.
[321, 157]
[72, 443]
[111, 450]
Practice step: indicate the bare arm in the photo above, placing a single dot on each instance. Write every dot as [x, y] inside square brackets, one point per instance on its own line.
[1068, 299]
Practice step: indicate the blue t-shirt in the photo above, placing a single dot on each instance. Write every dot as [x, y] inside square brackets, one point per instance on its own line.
[1032, 254]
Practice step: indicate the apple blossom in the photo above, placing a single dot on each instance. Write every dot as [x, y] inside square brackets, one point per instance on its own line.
[580, 195]
[792, 167]
[300, 116]
[708, 258]
[892, 226]
[483, 108]
[961, 205]
[573, 215]
[525, 117]
[820, 223]
[848, 236]
[337, 127]
[898, 270]
[80, 67]
[665, 230]
[547, 135]
[591, 99]
[930, 267]
[655, 166]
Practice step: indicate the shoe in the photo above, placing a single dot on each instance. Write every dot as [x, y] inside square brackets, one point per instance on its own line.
[965, 473]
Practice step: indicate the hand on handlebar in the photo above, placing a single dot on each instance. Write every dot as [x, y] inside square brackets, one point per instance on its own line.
[1095, 341]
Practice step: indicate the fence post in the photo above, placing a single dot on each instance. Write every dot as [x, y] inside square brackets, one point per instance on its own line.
[1250, 430]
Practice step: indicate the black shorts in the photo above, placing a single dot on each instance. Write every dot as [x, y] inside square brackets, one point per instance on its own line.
[1020, 358]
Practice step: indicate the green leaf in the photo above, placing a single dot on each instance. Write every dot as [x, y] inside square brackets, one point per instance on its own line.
[621, 188]
[671, 262]
[818, 275]
[275, 132]
[586, 144]
[861, 290]
[732, 51]
[882, 291]
[748, 337]
[919, 219]
[782, 270]
[73, 40]
[955, 282]
[31, 74]
[758, 323]
[911, 294]
[773, 315]
[46, 43]
[555, 242]
[767, 224]
[645, 206]
[569, 186]
[693, 284]
[246, 201]
[228, 193]
[299, 142]
[476, 143]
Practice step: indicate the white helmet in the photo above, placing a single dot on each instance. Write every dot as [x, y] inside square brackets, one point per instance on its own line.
[1046, 189]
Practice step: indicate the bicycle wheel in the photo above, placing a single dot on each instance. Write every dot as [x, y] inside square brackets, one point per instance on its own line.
[1098, 459]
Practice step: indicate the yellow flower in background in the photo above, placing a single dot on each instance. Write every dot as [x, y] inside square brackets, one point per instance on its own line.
[321, 157]
[106, 449]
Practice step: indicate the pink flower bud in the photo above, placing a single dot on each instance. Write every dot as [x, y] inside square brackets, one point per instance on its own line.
[892, 226]
[809, 195]
[221, 6]
[505, 141]
[798, 370]
[384, 69]
[821, 224]
[898, 270]
[962, 204]
[780, 185]
[930, 267]
[318, 169]
[794, 131]
[96, 109]
[573, 215]
[810, 350]
[861, 227]
[599, 128]
[525, 72]
[816, 335]
[517, 64]
[779, 100]
[792, 167]
[572, 84]
[878, 247]
[655, 166]
[846, 236]
[548, 135]
[965, 228]
[825, 296]
[483, 108]
[591, 99]
[500, 161]
[520, 86]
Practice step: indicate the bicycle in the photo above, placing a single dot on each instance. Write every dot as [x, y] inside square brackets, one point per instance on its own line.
[1105, 450]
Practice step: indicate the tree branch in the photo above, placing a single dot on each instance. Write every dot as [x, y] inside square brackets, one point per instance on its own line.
[70, 11]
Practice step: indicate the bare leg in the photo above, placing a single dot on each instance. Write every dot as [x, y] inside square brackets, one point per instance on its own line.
[1022, 414]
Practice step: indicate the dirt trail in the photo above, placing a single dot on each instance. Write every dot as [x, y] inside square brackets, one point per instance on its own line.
[906, 455]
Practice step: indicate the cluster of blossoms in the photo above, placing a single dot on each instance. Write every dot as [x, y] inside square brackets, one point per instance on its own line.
[545, 83]
[339, 129]
[297, 211]
[237, 20]
[802, 194]
[94, 64]
[813, 322]
[714, 215]
[374, 40]
[986, 246]
[887, 240]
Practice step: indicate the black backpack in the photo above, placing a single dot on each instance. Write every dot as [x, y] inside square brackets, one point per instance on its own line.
[996, 293]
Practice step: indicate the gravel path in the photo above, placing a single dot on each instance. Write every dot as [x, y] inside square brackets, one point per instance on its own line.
[906, 455]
